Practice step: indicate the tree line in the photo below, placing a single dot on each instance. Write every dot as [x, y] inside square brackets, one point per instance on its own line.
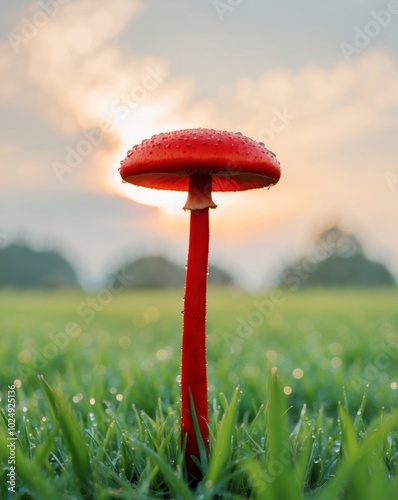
[337, 259]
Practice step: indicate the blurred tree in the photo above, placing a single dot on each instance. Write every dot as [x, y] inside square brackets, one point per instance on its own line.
[158, 272]
[23, 267]
[337, 260]
[218, 276]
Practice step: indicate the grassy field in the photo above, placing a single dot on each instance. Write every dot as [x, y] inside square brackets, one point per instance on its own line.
[103, 419]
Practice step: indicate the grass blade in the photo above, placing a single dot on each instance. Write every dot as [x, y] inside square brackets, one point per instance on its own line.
[222, 448]
[281, 479]
[176, 483]
[28, 473]
[356, 460]
[73, 438]
[203, 465]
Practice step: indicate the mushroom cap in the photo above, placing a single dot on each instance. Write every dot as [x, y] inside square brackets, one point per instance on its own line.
[167, 160]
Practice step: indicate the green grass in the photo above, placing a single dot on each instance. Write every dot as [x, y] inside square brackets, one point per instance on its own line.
[103, 419]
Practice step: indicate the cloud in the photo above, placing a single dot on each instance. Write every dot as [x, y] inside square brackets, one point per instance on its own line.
[77, 78]
[334, 131]
[333, 128]
[307, 115]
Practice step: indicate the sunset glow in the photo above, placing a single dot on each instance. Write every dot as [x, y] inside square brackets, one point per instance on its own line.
[319, 109]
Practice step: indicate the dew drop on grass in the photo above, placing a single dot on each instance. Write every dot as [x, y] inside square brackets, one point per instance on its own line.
[336, 447]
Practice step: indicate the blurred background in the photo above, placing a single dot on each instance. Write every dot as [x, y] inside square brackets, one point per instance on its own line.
[82, 81]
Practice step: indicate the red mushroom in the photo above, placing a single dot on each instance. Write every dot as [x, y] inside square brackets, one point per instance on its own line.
[198, 161]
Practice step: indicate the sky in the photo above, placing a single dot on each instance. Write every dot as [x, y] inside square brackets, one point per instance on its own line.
[82, 81]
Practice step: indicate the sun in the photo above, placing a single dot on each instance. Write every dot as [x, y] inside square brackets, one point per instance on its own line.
[168, 201]
[140, 125]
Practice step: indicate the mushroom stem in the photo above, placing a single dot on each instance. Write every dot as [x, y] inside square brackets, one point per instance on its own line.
[193, 363]
[199, 194]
